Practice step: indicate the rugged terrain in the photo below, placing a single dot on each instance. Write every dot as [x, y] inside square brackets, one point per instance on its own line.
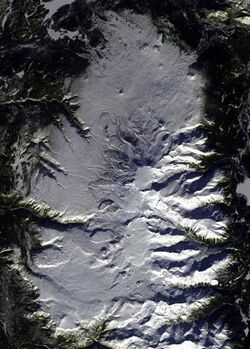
[124, 137]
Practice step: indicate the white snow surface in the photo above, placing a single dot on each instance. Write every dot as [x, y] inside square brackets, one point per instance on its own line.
[244, 189]
[139, 263]
[53, 6]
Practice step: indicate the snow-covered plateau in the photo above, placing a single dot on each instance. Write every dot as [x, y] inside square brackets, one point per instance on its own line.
[124, 174]
[139, 244]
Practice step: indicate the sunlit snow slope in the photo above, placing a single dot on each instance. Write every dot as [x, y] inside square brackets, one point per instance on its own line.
[138, 242]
